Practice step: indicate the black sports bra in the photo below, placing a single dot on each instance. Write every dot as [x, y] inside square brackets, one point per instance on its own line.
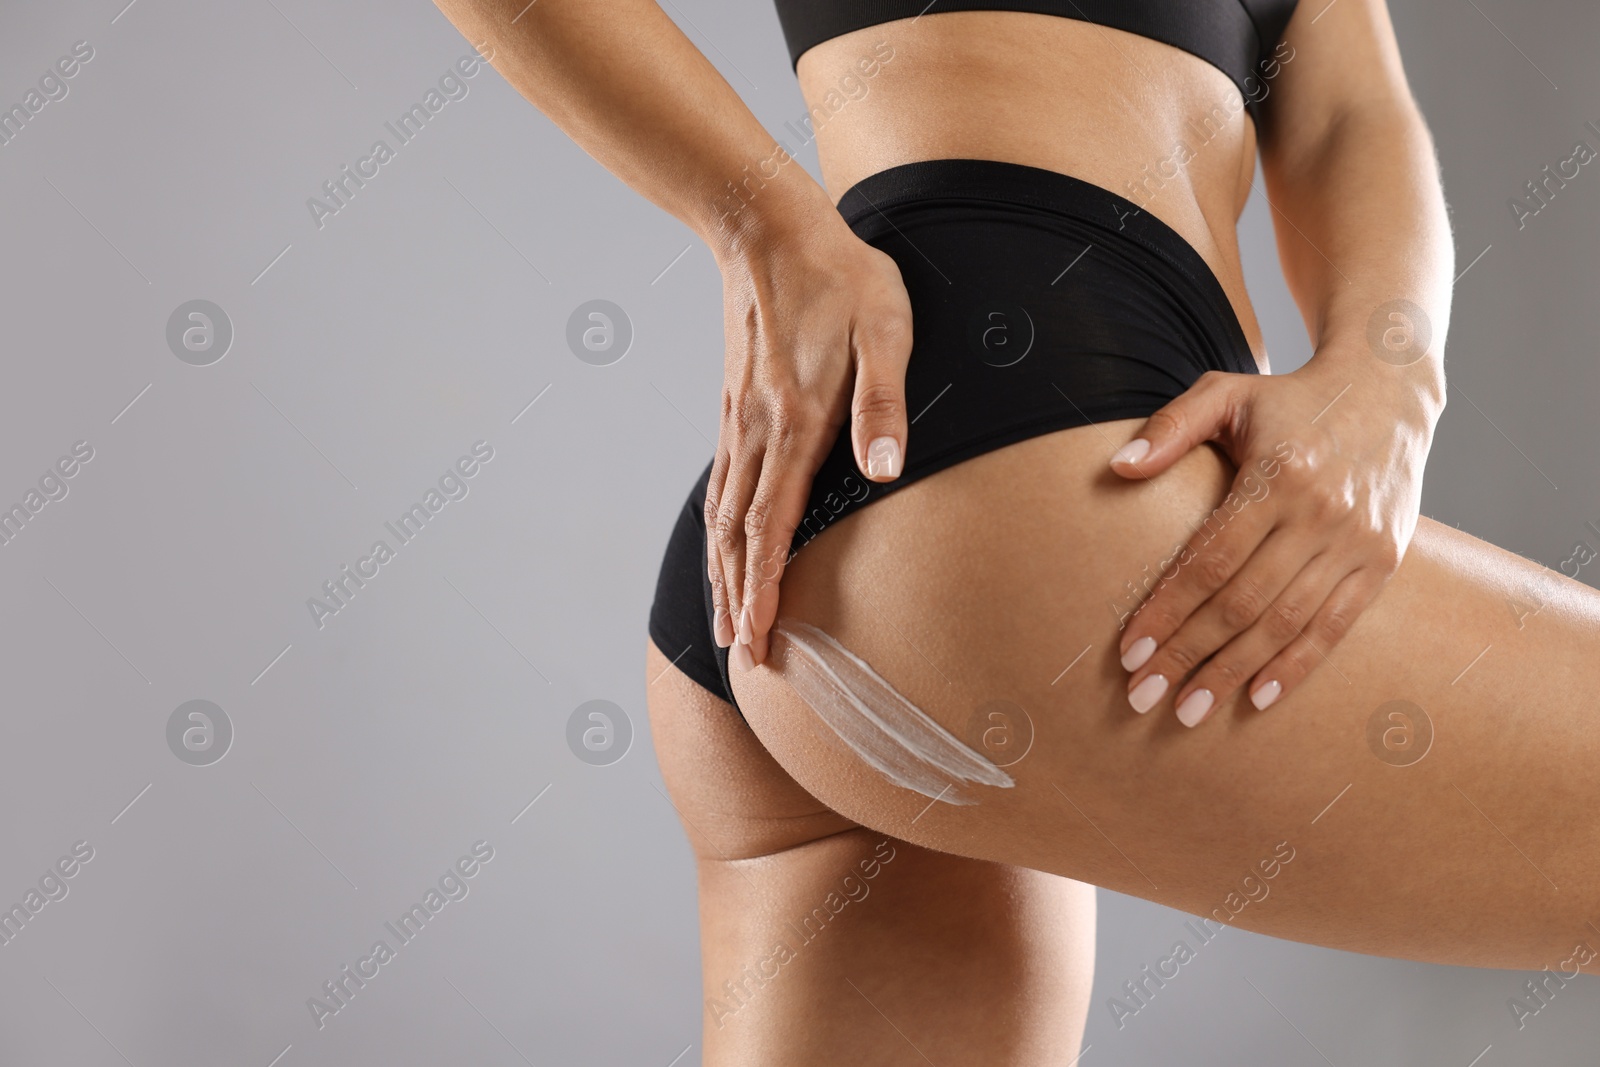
[1237, 37]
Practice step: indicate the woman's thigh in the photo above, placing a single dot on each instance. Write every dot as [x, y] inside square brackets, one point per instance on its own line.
[997, 584]
[825, 942]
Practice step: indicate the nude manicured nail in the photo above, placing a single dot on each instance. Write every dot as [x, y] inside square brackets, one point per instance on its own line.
[723, 628]
[744, 625]
[1263, 697]
[1146, 693]
[1194, 707]
[1132, 452]
[1138, 654]
[739, 656]
[883, 458]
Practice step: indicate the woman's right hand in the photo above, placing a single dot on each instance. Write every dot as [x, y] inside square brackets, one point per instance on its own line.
[817, 325]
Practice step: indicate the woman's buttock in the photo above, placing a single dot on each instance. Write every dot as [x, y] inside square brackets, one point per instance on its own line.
[990, 597]
[1040, 302]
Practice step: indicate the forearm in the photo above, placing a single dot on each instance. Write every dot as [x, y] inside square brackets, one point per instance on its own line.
[1362, 223]
[628, 87]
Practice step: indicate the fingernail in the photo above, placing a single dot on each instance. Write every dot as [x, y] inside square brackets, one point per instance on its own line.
[723, 628]
[1138, 653]
[883, 458]
[1194, 707]
[744, 625]
[740, 656]
[1263, 697]
[1132, 452]
[1146, 693]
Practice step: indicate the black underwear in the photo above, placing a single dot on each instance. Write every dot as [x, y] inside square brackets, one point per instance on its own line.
[1039, 302]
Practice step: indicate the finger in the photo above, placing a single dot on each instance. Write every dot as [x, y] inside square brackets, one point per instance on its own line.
[1234, 609]
[722, 617]
[1223, 542]
[737, 492]
[1310, 650]
[1282, 622]
[1203, 411]
[774, 514]
[878, 426]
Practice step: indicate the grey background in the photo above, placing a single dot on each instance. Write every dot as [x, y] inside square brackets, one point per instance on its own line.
[426, 715]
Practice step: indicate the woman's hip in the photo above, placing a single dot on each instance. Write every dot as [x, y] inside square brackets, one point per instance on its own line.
[1040, 304]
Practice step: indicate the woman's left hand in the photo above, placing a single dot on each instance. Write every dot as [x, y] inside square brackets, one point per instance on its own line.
[1330, 461]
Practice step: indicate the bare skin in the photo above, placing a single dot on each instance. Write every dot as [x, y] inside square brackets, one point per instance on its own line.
[910, 938]
[986, 581]
[1356, 228]
[1481, 853]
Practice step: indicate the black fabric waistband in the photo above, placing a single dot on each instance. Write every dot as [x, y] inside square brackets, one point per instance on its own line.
[867, 205]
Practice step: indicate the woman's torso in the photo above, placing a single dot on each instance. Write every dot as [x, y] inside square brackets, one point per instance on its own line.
[1160, 127]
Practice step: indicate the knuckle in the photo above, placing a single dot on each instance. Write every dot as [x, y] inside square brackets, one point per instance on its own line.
[1337, 620]
[1168, 422]
[1240, 608]
[1160, 622]
[1301, 473]
[1327, 500]
[1290, 668]
[745, 417]
[758, 518]
[802, 430]
[1285, 621]
[1181, 658]
[877, 402]
[1213, 569]
[892, 331]
[1170, 619]
[784, 424]
[1225, 676]
[727, 524]
[786, 395]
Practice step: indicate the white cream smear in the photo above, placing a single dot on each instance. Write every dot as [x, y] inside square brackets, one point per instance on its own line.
[886, 730]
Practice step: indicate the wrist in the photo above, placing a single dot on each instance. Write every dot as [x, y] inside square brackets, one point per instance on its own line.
[753, 219]
[1414, 391]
